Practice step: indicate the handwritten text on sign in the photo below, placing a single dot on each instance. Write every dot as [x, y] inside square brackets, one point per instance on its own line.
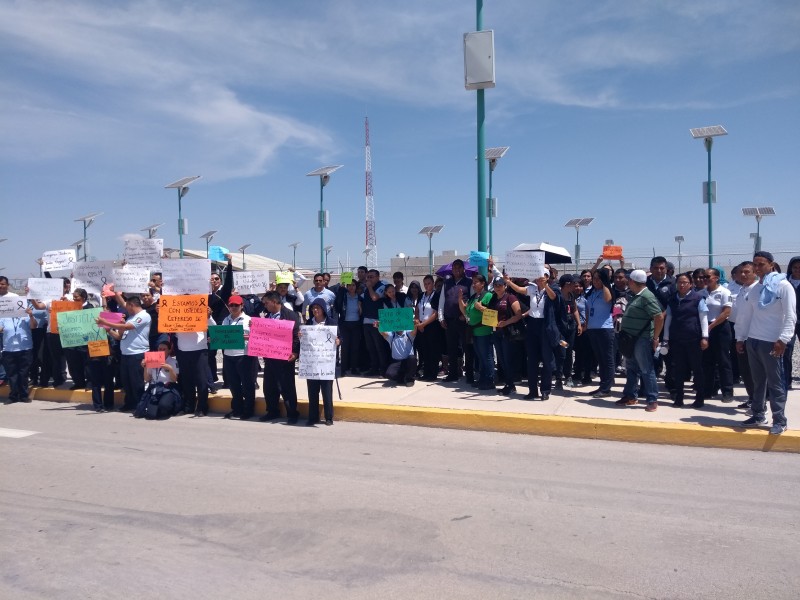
[226, 337]
[58, 260]
[154, 360]
[489, 318]
[270, 338]
[527, 265]
[13, 306]
[396, 319]
[131, 278]
[612, 252]
[317, 352]
[59, 306]
[78, 327]
[93, 275]
[251, 282]
[98, 348]
[187, 276]
[43, 288]
[141, 251]
[181, 314]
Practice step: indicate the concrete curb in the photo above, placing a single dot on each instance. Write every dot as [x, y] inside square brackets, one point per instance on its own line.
[679, 434]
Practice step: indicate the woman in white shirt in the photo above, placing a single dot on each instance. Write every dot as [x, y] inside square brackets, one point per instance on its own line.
[240, 369]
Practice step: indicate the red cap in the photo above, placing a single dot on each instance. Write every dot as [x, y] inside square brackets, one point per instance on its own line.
[236, 300]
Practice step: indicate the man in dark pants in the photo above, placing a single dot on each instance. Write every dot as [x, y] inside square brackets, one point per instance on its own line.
[58, 363]
[279, 374]
[454, 323]
[133, 339]
[371, 302]
[218, 301]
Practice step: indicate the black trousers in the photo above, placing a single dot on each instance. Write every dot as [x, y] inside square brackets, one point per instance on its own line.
[402, 370]
[76, 363]
[350, 334]
[717, 360]
[193, 366]
[279, 380]
[240, 373]
[58, 366]
[315, 387]
[686, 357]
[17, 365]
[101, 375]
[456, 339]
[132, 374]
[40, 366]
[429, 346]
[377, 348]
[539, 350]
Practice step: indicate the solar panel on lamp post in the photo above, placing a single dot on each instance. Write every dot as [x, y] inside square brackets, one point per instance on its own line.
[242, 249]
[577, 224]
[759, 213]
[208, 236]
[294, 253]
[87, 221]
[327, 250]
[680, 240]
[151, 230]
[324, 174]
[182, 185]
[429, 230]
[708, 134]
[492, 156]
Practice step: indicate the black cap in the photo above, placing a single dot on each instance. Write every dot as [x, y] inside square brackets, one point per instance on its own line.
[565, 279]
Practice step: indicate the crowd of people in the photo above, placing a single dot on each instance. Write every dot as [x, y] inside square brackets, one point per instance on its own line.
[554, 333]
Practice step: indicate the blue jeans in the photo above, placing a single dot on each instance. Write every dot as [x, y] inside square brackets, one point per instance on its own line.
[767, 374]
[485, 356]
[641, 365]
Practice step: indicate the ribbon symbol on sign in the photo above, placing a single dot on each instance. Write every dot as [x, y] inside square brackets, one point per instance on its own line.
[20, 305]
[329, 337]
[103, 280]
[202, 301]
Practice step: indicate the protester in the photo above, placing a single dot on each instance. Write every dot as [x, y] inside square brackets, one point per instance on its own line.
[429, 331]
[348, 309]
[192, 352]
[371, 303]
[509, 314]
[569, 324]
[279, 373]
[600, 328]
[454, 323]
[101, 378]
[316, 387]
[77, 356]
[473, 310]
[319, 291]
[403, 367]
[239, 369]
[717, 359]
[217, 303]
[17, 353]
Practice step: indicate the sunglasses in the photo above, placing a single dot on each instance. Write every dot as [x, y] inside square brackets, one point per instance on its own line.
[235, 305]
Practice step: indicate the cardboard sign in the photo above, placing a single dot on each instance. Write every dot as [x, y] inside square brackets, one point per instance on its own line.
[111, 317]
[612, 252]
[270, 338]
[143, 252]
[60, 306]
[317, 352]
[154, 360]
[523, 264]
[251, 282]
[396, 319]
[489, 318]
[98, 348]
[78, 327]
[187, 276]
[131, 278]
[13, 307]
[182, 314]
[58, 260]
[44, 288]
[93, 276]
[346, 278]
[478, 259]
[226, 337]
[284, 277]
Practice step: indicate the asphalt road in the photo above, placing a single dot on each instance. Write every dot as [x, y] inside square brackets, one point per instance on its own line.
[106, 506]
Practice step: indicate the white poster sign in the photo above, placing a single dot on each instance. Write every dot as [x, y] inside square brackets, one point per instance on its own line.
[317, 352]
[250, 282]
[93, 275]
[528, 265]
[44, 289]
[58, 260]
[14, 306]
[143, 251]
[186, 276]
[131, 278]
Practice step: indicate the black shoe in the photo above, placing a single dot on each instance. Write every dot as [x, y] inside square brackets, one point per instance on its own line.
[531, 396]
[678, 403]
[328, 421]
[311, 423]
[198, 413]
[509, 390]
[292, 421]
[545, 396]
[698, 404]
[600, 394]
[559, 385]
[743, 405]
[231, 415]
[451, 378]
[269, 417]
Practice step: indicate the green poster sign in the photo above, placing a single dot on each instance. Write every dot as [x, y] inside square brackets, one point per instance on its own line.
[346, 277]
[396, 319]
[78, 327]
[226, 337]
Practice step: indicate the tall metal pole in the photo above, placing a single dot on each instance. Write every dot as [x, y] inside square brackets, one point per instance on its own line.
[708, 143]
[430, 253]
[577, 248]
[489, 208]
[321, 227]
[481, 114]
[758, 235]
[294, 257]
[84, 243]
[180, 222]
[679, 257]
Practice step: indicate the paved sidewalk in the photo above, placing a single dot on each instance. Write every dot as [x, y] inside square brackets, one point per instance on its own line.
[572, 413]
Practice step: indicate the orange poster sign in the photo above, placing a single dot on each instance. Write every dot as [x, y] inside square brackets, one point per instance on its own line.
[182, 314]
[57, 306]
[612, 252]
[98, 348]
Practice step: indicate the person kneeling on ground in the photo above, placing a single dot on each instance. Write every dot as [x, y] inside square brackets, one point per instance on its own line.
[161, 399]
[404, 363]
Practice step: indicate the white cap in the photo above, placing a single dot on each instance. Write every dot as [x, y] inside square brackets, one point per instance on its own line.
[638, 276]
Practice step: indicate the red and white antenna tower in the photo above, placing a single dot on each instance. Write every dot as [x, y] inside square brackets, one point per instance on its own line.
[371, 249]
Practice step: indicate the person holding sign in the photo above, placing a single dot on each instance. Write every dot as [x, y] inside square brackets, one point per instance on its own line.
[454, 323]
[193, 361]
[278, 373]
[600, 327]
[508, 313]
[18, 354]
[58, 364]
[481, 334]
[77, 356]
[217, 302]
[348, 307]
[316, 387]
[403, 367]
[239, 369]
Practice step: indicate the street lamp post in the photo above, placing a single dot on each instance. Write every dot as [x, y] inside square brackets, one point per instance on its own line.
[151, 230]
[754, 237]
[182, 185]
[242, 249]
[429, 230]
[680, 240]
[327, 250]
[708, 134]
[324, 174]
[208, 236]
[577, 224]
[294, 253]
[87, 221]
[493, 155]
[759, 213]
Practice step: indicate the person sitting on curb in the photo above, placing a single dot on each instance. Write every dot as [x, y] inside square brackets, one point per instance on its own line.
[403, 366]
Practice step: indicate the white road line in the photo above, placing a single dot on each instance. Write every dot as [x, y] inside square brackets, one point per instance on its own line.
[16, 433]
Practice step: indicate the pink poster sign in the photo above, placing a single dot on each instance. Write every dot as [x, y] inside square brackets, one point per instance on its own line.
[270, 338]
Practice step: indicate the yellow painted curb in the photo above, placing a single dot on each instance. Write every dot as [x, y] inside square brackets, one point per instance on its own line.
[678, 434]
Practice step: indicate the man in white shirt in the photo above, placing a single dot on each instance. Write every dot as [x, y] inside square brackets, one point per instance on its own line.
[764, 326]
[319, 291]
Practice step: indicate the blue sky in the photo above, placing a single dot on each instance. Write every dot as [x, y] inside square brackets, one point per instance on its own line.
[102, 104]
